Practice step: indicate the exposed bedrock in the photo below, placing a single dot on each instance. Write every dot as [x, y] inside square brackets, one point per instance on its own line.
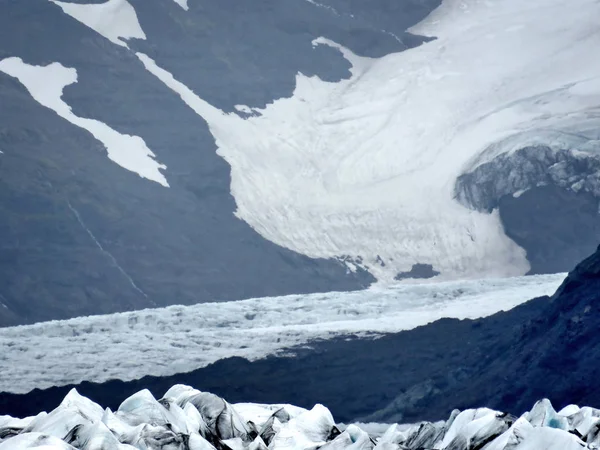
[547, 198]
[418, 271]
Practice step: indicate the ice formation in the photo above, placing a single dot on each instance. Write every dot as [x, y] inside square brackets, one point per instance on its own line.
[185, 338]
[188, 419]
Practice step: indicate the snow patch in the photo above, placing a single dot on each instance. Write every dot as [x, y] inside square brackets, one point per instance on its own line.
[243, 108]
[183, 4]
[116, 20]
[46, 84]
[187, 338]
[199, 106]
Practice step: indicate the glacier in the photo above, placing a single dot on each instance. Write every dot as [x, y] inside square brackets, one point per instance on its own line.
[189, 419]
[176, 339]
[366, 169]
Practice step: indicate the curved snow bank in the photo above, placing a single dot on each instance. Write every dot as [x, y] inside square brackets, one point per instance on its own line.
[188, 419]
[180, 339]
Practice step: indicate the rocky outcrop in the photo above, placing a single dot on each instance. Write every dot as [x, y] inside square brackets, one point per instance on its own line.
[418, 271]
[530, 167]
[547, 198]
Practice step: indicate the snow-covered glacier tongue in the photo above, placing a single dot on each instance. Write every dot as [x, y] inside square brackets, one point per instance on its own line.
[371, 167]
[189, 419]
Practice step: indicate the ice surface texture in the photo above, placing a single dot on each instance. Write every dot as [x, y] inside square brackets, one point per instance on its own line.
[180, 339]
[188, 419]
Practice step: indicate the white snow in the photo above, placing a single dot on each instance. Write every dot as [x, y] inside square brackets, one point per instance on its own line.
[183, 4]
[46, 84]
[116, 20]
[179, 339]
[321, 5]
[333, 230]
[366, 167]
[199, 106]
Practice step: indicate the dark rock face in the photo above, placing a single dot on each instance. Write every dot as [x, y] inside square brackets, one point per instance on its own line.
[418, 271]
[556, 226]
[80, 235]
[548, 347]
[547, 199]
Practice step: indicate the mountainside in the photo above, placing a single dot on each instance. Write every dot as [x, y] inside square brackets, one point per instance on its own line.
[158, 152]
[547, 347]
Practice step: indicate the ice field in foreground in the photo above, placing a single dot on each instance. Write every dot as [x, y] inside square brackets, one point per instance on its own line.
[188, 419]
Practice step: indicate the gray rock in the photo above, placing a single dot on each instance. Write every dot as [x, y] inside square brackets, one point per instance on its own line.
[547, 199]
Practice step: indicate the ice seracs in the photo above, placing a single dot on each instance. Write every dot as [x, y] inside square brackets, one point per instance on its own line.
[189, 419]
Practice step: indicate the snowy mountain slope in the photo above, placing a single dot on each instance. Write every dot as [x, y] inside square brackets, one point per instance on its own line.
[179, 339]
[367, 167]
[189, 419]
[351, 149]
[80, 236]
